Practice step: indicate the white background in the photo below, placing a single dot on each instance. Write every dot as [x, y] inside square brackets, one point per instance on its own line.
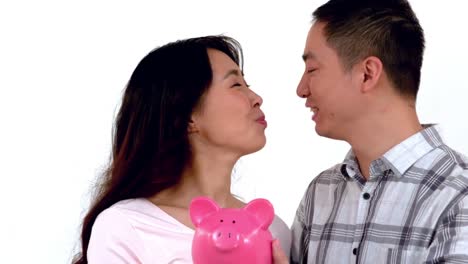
[63, 65]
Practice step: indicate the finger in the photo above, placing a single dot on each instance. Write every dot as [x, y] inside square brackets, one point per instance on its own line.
[279, 257]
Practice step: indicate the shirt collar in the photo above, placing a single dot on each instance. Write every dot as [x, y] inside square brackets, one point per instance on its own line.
[400, 157]
[404, 155]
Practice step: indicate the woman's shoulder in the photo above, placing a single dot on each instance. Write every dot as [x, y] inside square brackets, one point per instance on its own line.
[136, 207]
[118, 219]
[114, 238]
[139, 212]
[279, 225]
[134, 228]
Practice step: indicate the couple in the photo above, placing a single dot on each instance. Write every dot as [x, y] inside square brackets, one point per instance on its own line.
[187, 116]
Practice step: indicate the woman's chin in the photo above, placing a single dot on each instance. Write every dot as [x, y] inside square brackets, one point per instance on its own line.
[259, 144]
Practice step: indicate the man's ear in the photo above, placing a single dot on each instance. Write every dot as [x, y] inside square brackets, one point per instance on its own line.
[371, 70]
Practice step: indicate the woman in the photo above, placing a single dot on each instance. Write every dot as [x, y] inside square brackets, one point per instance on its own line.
[187, 116]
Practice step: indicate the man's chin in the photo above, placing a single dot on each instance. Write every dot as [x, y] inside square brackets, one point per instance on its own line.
[321, 131]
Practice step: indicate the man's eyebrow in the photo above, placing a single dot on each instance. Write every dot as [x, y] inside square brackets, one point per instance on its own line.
[233, 72]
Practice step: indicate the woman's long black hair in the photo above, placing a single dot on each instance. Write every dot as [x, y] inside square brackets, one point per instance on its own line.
[150, 142]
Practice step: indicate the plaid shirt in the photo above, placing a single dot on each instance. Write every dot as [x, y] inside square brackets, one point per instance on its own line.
[413, 208]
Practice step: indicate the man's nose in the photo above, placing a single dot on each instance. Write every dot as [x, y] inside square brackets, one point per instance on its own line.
[302, 89]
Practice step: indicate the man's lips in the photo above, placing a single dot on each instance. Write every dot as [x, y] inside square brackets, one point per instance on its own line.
[314, 110]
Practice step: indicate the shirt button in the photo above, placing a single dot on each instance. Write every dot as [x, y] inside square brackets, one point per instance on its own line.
[354, 251]
[366, 196]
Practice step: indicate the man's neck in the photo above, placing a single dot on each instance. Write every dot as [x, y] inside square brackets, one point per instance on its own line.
[373, 139]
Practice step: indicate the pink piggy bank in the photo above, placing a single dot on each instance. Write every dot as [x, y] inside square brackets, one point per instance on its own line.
[228, 235]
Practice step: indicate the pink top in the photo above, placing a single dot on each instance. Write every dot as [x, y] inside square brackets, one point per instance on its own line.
[137, 231]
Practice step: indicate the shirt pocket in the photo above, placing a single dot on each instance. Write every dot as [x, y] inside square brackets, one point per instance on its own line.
[410, 255]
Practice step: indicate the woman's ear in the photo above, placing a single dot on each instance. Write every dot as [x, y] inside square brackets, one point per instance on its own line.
[192, 127]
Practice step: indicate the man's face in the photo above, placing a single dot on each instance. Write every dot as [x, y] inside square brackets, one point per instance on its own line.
[329, 90]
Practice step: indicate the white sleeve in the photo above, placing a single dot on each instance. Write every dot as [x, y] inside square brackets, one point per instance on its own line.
[279, 230]
[114, 240]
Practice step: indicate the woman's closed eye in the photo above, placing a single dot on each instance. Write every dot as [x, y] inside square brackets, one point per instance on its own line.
[239, 84]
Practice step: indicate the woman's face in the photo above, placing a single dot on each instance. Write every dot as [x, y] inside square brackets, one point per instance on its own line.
[229, 116]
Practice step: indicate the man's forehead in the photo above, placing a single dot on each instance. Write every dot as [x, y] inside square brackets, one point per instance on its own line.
[316, 43]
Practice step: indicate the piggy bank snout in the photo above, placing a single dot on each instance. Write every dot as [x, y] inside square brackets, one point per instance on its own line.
[226, 238]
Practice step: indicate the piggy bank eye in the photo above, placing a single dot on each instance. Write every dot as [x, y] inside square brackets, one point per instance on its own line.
[221, 220]
[233, 221]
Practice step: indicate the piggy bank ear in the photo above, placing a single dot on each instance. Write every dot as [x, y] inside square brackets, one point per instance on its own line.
[263, 210]
[201, 207]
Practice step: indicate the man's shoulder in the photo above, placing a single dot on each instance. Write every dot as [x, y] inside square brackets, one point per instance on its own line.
[443, 169]
[457, 174]
[460, 159]
[330, 176]
[323, 181]
[456, 163]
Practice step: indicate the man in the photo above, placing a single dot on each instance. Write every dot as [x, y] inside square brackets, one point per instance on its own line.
[401, 194]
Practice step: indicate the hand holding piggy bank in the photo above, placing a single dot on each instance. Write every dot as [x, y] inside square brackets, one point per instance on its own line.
[229, 235]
